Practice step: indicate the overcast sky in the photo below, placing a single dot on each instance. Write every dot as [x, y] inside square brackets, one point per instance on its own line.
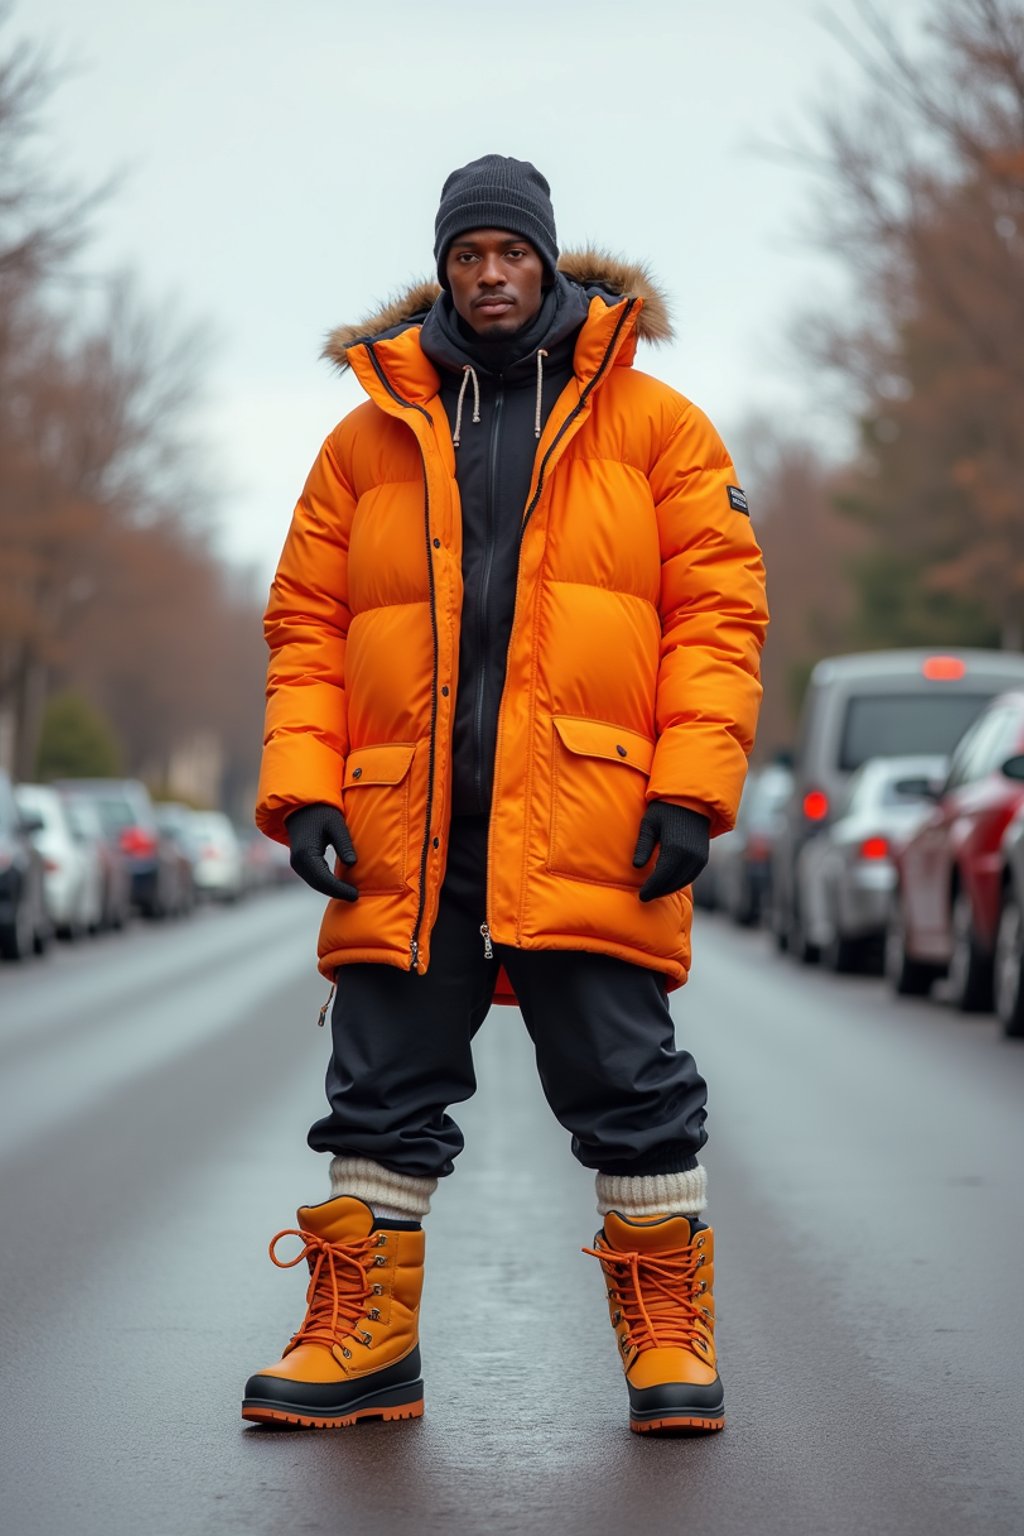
[283, 166]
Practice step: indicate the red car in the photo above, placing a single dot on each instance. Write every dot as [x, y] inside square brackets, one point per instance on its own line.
[945, 912]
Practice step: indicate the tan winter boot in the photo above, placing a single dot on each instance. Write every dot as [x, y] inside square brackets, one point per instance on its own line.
[660, 1275]
[356, 1355]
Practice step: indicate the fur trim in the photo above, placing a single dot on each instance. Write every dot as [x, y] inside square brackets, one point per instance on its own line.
[630, 279]
[591, 267]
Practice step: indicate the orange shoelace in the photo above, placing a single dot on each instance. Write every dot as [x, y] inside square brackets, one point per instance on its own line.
[338, 1285]
[657, 1296]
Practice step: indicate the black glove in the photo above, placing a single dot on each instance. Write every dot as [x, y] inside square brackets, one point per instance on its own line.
[684, 837]
[311, 830]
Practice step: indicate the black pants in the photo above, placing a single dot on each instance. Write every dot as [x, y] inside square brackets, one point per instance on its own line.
[601, 1028]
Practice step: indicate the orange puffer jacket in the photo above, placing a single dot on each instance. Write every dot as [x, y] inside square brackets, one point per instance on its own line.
[632, 667]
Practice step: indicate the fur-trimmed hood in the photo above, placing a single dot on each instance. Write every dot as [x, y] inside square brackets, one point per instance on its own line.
[593, 269]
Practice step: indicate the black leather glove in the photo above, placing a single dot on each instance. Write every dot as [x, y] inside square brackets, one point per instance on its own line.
[685, 839]
[312, 829]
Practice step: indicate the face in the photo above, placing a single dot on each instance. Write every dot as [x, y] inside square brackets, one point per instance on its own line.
[496, 280]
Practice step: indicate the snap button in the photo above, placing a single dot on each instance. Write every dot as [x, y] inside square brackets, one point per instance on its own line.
[437, 543]
[444, 691]
[621, 751]
[437, 842]
[357, 773]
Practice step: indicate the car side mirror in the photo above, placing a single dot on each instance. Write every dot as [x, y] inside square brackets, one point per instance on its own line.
[31, 821]
[919, 788]
[1013, 768]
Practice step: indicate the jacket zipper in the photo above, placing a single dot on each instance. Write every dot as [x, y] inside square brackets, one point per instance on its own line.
[531, 508]
[483, 625]
[410, 405]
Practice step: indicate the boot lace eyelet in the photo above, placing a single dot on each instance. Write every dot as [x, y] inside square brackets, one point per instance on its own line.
[378, 1290]
[379, 1261]
[367, 1339]
[346, 1352]
[382, 1239]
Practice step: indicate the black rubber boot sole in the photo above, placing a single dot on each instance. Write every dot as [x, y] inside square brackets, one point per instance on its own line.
[396, 1392]
[676, 1408]
[391, 1403]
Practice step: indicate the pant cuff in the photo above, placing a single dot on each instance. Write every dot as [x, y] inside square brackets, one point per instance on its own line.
[653, 1194]
[378, 1186]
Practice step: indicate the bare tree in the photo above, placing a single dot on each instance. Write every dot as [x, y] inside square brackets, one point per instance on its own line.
[923, 201]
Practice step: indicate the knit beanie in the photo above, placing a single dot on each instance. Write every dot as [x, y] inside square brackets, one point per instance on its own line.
[497, 192]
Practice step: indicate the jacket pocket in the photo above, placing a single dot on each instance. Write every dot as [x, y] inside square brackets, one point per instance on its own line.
[599, 779]
[376, 801]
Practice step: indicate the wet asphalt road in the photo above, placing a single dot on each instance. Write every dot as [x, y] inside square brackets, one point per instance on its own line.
[866, 1171]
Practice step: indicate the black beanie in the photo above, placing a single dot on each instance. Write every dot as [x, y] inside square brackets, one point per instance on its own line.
[497, 192]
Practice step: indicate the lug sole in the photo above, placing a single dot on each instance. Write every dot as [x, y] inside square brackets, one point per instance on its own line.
[386, 1406]
[671, 1423]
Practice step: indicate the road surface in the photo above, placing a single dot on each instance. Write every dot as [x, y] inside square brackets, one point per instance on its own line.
[865, 1174]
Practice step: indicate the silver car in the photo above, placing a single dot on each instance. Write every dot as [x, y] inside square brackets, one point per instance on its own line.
[72, 872]
[846, 874]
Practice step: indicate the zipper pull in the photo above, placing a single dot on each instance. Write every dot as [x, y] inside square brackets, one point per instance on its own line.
[485, 934]
[414, 952]
[323, 1010]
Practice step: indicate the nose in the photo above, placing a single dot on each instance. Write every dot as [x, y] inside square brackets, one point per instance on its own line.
[490, 274]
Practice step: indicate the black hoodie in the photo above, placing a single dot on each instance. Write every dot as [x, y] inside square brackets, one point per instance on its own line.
[493, 465]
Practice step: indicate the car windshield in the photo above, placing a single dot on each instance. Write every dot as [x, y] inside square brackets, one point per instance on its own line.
[115, 812]
[898, 725]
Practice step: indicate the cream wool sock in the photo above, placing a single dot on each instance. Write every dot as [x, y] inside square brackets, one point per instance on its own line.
[653, 1194]
[391, 1196]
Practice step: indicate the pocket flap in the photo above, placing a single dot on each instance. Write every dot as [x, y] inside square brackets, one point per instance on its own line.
[378, 765]
[595, 738]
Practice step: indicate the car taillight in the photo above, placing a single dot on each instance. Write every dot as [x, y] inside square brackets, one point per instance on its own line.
[759, 848]
[136, 840]
[875, 848]
[815, 805]
[943, 669]
[51, 866]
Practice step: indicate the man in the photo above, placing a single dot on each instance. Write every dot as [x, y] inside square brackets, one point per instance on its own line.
[514, 637]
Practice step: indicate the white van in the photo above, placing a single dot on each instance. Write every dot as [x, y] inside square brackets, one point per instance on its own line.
[876, 704]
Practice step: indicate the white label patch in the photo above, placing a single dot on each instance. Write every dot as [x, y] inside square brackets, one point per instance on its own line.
[737, 500]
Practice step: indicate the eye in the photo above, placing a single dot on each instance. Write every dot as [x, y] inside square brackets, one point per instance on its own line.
[514, 255]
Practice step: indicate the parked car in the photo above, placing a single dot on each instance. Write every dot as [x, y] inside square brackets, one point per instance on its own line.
[881, 704]
[25, 925]
[72, 872]
[742, 859]
[848, 873]
[218, 867]
[177, 824]
[115, 877]
[1009, 955]
[126, 813]
[946, 906]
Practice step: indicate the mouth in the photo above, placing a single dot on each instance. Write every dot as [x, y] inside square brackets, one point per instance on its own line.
[494, 305]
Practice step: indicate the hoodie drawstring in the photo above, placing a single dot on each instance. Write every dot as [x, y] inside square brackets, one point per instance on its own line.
[541, 355]
[468, 372]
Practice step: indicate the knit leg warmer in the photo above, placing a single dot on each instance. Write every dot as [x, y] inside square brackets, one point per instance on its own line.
[398, 1195]
[655, 1194]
